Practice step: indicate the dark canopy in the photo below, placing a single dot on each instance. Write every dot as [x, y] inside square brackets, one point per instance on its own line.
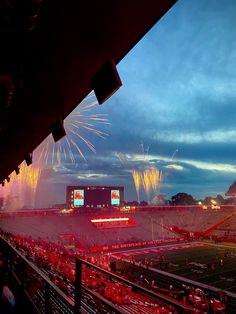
[50, 51]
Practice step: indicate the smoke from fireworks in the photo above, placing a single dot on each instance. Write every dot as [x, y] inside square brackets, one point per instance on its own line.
[21, 189]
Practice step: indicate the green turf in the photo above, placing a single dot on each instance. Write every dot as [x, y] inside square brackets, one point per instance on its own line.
[223, 277]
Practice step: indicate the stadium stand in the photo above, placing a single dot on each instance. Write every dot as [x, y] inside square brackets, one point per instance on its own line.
[52, 240]
[149, 225]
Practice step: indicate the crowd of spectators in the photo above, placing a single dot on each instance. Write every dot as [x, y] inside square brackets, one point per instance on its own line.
[51, 256]
[59, 265]
[199, 300]
[149, 225]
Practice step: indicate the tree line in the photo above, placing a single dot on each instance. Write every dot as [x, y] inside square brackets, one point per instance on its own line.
[187, 199]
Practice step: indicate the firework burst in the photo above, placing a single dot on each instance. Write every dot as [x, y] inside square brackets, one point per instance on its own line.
[149, 179]
[137, 181]
[80, 124]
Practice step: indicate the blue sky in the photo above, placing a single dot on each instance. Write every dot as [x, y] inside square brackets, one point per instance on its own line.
[178, 96]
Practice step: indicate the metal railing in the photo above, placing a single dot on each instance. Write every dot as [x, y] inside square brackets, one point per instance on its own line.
[147, 295]
[45, 297]
[166, 279]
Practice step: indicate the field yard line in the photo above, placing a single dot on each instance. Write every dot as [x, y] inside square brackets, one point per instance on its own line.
[220, 245]
[154, 247]
[182, 279]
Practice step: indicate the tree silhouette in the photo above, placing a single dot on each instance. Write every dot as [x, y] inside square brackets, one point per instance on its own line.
[232, 190]
[182, 199]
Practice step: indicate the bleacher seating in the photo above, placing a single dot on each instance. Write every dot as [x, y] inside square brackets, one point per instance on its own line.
[149, 225]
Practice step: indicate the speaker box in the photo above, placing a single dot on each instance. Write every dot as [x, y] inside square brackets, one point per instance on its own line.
[106, 81]
[58, 130]
[28, 158]
[17, 169]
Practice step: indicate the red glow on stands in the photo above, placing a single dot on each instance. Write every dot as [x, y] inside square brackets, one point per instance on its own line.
[113, 222]
[100, 220]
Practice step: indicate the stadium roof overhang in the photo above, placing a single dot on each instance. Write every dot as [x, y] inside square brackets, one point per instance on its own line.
[50, 51]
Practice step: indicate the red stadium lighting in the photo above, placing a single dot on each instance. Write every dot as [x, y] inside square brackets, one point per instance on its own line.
[100, 220]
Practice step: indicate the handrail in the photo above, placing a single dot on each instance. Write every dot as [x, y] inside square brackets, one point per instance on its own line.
[39, 272]
[61, 294]
[130, 283]
[98, 296]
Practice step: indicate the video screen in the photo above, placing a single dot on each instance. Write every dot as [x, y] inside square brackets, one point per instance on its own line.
[115, 197]
[78, 198]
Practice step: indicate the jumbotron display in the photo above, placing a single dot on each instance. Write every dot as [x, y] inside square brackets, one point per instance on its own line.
[95, 196]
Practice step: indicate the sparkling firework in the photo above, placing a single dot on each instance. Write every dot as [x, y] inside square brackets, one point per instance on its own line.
[21, 189]
[137, 181]
[154, 177]
[149, 179]
[77, 125]
[146, 182]
[30, 175]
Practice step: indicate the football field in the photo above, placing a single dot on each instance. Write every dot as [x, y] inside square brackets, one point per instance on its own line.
[206, 263]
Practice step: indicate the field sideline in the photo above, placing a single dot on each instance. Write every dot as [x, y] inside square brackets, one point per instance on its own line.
[208, 263]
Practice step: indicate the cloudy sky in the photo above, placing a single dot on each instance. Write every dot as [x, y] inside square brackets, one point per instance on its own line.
[176, 110]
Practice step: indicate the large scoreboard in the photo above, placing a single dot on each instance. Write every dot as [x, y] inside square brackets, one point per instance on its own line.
[95, 196]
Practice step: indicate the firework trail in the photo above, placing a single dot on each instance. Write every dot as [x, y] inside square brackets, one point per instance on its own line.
[154, 177]
[146, 182]
[137, 177]
[171, 160]
[80, 124]
[175, 152]
[145, 151]
[122, 158]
